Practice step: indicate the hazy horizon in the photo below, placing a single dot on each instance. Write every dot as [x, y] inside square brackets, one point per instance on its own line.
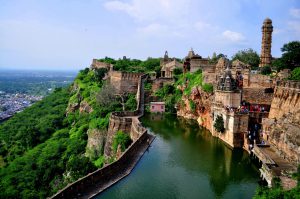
[65, 35]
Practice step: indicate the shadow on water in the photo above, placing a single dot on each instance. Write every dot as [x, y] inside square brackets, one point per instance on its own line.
[185, 161]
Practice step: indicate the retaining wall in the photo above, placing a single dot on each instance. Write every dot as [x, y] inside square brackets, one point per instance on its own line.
[106, 176]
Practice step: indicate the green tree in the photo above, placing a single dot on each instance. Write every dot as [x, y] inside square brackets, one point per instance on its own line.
[266, 70]
[214, 59]
[290, 56]
[248, 56]
[219, 124]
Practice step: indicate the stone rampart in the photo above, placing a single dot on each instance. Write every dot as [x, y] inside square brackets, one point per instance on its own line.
[286, 99]
[98, 64]
[101, 179]
[125, 82]
[128, 122]
[282, 128]
[124, 120]
[259, 81]
[257, 96]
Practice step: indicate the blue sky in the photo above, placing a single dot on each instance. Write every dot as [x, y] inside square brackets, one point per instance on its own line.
[68, 34]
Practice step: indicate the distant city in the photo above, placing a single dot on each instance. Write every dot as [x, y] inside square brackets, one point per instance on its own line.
[20, 89]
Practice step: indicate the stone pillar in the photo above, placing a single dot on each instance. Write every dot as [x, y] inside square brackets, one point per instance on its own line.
[265, 56]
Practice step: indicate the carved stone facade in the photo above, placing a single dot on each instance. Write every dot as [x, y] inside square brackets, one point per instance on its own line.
[265, 56]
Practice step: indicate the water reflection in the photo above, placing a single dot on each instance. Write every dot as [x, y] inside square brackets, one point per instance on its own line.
[185, 161]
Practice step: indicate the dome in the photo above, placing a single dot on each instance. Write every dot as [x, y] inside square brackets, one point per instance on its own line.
[267, 20]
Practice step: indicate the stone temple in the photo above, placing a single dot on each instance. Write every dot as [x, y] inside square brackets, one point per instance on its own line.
[265, 56]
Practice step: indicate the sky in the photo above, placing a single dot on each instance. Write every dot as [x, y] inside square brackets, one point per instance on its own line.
[68, 34]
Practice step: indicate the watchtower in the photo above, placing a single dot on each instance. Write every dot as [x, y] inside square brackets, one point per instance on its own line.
[265, 56]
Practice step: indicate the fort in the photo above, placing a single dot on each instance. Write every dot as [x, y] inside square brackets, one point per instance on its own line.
[261, 114]
[127, 121]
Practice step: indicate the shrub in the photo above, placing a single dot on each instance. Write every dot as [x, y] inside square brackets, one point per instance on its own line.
[266, 70]
[122, 139]
[219, 124]
[208, 88]
[295, 74]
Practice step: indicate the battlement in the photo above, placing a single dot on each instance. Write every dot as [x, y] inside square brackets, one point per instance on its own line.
[98, 64]
[125, 75]
[289, 84]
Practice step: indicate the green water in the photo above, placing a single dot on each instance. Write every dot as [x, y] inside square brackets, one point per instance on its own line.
[185, 161]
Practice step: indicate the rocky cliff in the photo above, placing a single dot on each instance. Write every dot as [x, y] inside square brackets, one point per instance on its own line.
[282, 128]
[197, 106]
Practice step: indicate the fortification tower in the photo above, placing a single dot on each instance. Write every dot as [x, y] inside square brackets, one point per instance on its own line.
[265, 56]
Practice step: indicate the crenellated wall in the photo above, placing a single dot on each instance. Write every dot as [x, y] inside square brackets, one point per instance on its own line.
[127, 121]
[125, 82]
[98, 64]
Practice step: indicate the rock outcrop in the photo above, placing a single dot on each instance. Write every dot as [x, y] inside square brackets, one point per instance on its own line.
[202, 110]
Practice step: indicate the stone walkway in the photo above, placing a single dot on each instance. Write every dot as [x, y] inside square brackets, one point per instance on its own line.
[277, 166]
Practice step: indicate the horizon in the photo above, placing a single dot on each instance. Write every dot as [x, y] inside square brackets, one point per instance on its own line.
[55, 35]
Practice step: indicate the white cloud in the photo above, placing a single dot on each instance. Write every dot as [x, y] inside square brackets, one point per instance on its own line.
[233, 36]
[151, 10]
[295, 12]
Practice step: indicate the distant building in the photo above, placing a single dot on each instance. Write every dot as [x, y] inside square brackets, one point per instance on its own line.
[194, 62]
[157, 107]
[266, 44]
[168, 65]
[167, 70]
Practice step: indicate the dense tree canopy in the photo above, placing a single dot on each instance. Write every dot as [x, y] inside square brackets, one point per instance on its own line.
[248, 56]
[290, 56]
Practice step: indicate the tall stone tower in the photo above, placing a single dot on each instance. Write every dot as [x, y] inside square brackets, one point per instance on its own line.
[265, 56]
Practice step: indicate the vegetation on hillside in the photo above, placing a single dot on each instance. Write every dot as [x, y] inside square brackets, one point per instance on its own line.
[121, 139]
[172, 94]
[47, 151]
[43, 148]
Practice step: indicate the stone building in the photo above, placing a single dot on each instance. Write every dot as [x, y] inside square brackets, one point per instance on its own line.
[226, 102]
[194, 62]
[168, 68]
[266, 44]
[168, 65]
[165, 59]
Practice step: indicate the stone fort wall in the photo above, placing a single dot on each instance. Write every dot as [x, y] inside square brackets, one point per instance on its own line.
[281, 128]
[128, 122]
[125, 82]
[101, 178]
[286, 99]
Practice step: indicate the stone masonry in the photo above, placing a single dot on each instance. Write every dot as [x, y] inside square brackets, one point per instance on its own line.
[265, 56]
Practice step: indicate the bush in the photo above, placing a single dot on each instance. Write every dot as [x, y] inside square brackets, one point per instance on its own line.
[208, 88]
[295, 74]
[177, 71]
[266, 70]
[219, 124]
[122, 139]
